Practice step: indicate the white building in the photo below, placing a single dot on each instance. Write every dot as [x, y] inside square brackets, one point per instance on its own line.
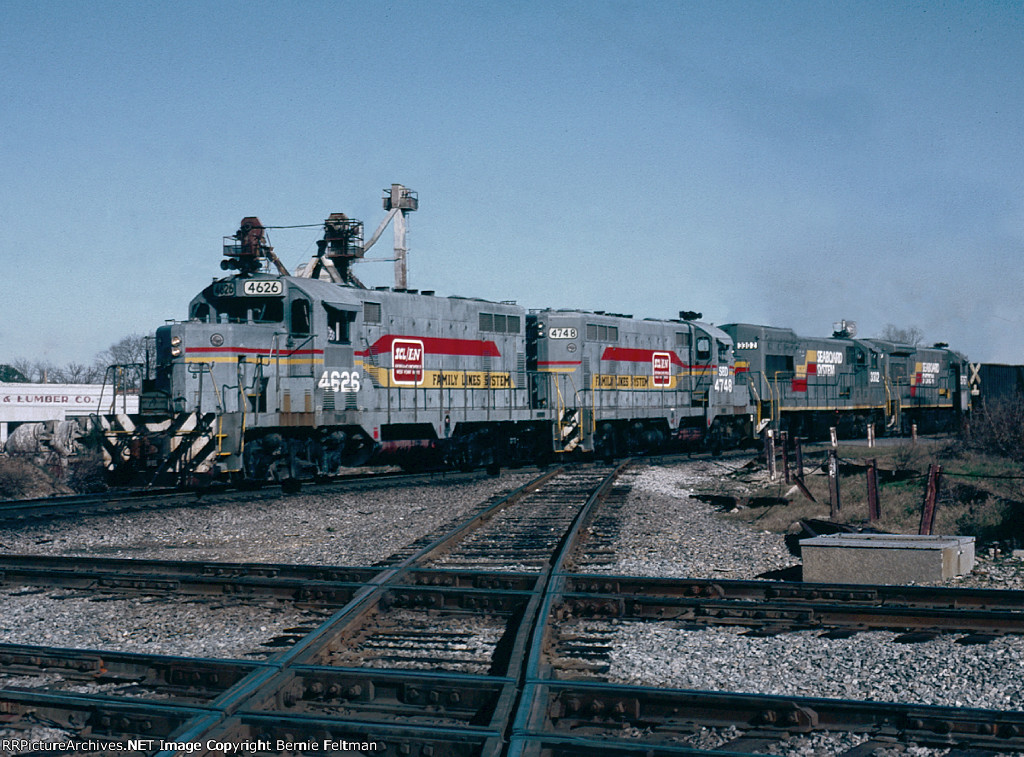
[35, 403]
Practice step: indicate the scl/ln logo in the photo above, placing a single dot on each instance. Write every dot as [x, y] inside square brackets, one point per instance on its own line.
[661, 369]
[407, 362]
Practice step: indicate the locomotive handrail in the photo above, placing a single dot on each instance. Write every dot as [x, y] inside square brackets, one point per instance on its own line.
[757, 401]
[777, 400]
[275, 355]
[118, 369]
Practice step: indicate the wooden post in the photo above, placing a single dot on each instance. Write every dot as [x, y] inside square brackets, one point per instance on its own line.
[799, 458]
[833, 483]
[770, 452]
[913, 433]
[874, 508]
[871, 434]
[930, 498]
[785, 454]
[834, 436]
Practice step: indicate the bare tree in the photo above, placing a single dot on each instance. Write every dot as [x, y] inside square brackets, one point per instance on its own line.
[911, 335]
[78, 373]
[128, 351]
[36, 371]
[125, 351]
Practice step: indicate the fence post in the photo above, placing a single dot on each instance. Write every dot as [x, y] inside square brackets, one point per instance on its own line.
[930, 498]
[874, 508]
[833, 436]
[871, 434]
[913, 433]
[833, 483]
[799, 457]
[785, 454]
[770, 453]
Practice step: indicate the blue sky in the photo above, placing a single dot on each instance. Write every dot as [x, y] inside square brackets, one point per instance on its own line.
[783, 163]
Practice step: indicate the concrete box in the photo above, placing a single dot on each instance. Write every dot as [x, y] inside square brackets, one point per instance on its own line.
[885, 558]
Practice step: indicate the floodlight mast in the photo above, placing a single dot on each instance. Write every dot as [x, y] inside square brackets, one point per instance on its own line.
[399, 201]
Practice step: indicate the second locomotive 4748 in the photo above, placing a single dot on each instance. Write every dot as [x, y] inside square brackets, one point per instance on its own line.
[275, 376]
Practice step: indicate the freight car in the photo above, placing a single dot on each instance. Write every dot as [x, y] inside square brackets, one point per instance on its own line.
[276, 376]
[993, 383]
[808, 384]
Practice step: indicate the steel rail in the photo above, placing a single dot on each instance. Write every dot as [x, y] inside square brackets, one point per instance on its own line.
[854, 594]
[295, 582]
[590, 708]
[549, 590]
[40, 508]
[296, 669]
[517, 708]
[183, 680]
[106, 718]
[789, 616]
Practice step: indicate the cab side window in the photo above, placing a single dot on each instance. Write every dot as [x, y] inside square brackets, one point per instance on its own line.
[339, 323]
[300, 317]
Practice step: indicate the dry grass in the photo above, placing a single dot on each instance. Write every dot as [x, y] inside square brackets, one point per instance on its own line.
[980, 495]
[21, 479]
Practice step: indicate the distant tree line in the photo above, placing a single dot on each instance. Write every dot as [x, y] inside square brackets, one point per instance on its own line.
[127, 351]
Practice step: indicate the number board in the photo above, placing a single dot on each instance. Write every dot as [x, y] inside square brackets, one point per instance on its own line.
[263, 287]
[224, 289]
[558, 332]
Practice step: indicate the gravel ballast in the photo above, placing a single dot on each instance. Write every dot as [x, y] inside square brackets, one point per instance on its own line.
[352, 528]
[668, 533]
[866, 666]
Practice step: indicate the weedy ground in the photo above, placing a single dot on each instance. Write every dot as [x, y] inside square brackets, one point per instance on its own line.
[980, 494]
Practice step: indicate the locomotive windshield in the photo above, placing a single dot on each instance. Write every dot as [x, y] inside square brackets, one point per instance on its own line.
[252, 309]
[239, 310]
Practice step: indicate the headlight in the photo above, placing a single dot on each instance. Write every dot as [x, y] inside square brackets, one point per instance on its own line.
[175, 340]
[176, 351]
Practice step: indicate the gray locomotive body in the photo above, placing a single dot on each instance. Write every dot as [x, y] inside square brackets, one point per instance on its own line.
[284, 377]
[808, 384]
[926, 386]
[274, 376]
[616, 385]
[279, 377]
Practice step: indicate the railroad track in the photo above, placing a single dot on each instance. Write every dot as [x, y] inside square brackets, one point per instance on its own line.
[464, 645]
[128, 500]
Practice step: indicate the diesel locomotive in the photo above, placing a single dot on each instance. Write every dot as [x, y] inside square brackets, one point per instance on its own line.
[283, 377]
[807, 385]
[275, 376]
